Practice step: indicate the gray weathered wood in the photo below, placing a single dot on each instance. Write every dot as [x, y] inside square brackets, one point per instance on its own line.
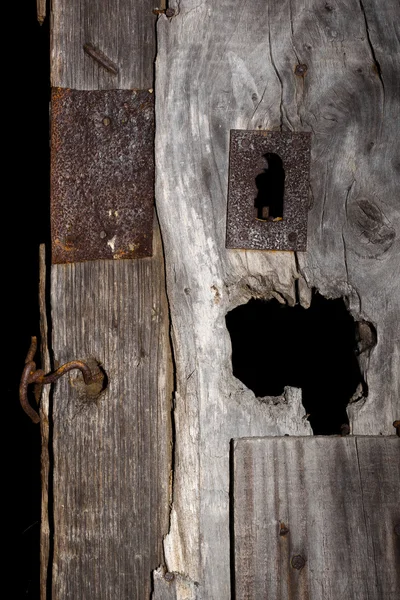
[339, 500]
[228, 65]
[112, 456]
[171, 586]
[123, 31]
[45, 533]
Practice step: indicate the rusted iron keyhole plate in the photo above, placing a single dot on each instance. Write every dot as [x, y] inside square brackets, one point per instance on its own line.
[247, 160]
[102, 174]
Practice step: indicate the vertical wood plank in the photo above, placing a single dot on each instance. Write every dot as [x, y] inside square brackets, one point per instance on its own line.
[45, 532]
[112, 456]
[229, 65]
[333, 502]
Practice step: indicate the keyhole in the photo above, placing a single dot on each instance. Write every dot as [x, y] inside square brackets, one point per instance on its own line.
[270, 184]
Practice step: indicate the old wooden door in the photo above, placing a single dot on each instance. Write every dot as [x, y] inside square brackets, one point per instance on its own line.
[142, 478]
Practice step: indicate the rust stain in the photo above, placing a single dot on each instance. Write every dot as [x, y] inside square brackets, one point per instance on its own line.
[102, 174]
[244, 229]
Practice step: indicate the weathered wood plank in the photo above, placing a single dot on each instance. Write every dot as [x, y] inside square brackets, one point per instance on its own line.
[331, 501]
[45, 533]
[229, 65]
[123, 31]
[112, 457]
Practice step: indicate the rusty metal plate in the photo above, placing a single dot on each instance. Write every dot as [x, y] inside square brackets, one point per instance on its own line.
[245, 228]
[102, 174]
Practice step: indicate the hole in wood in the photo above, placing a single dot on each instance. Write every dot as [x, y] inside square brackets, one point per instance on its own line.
[314, 349]
[91, 392]
[270, 185]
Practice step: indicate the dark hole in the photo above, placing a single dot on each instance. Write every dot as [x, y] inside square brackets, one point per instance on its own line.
[274, 346]
[270, 184]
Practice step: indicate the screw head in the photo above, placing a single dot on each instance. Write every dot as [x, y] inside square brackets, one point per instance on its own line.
[283, 530]
[292, 237]
[106, 121]
[298, 562]
[170, 12]
[169, 576]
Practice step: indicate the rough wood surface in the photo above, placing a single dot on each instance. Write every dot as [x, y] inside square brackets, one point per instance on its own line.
[172, 586]
[112, 456]
[228, 65]
[121, 31]
[333, 502]
[45, 364]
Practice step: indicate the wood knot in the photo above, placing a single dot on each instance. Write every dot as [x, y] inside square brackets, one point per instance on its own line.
[370, 232]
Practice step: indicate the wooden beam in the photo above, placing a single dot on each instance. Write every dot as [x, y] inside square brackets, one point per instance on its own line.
[112, 457]
[228, 65]
[315, 518]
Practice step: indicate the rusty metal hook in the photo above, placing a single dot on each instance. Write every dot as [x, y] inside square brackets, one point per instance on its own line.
[37, 376]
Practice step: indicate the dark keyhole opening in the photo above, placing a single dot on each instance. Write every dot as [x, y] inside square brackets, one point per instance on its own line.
[274, 346]
[271, 185]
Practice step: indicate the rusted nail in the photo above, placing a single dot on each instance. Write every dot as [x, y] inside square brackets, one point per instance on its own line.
[32, 375]
[298, 562]
[101, 58]
[397, 425]
[344, 429]
[301, 70]
[169, 576]
[168, 12]
[397, 529]
[283, 530]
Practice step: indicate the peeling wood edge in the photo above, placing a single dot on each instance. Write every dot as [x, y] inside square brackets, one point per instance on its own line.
[45, 537]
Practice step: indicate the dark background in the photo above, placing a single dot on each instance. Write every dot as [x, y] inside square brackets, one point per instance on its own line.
[25, 120]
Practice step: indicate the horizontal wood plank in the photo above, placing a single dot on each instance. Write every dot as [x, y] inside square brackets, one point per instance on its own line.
[315, 518]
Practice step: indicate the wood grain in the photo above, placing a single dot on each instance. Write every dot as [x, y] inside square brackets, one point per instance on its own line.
[41, 11]
[337, 500]
[123, 31]
[45, 364]
[229, 65]
[112, 456]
